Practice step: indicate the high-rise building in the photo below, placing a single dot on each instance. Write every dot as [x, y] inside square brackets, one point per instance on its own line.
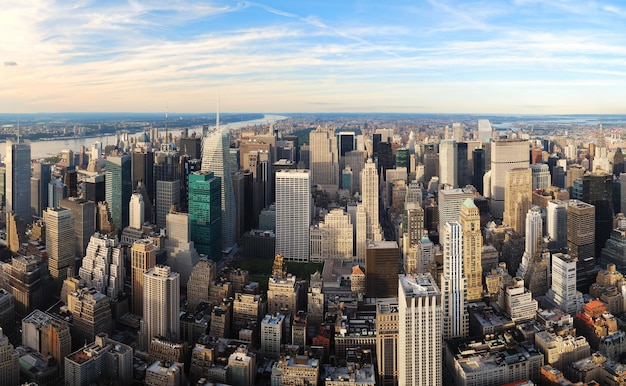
[293, 214]
[9, 362]
[324, 157]
[387, 340]
[242, 367]
[370, 201]
[167, 181]
[202, 275]
[563, 291]
[22, 278]
[517, 301]
[478, 160]
[47, 334]
[84, 213]
[581, 240]
[556, 222]
[142, 162]
[103, 266]
[448, 162]
[598, 191]
[136, 211]
[450, 202]
[57, 191]
[381, 267]
[91, 314]
[59, 242]
[205, 213]
[216, 158]
[283, 292]
[469, 219]
[142, 258]
[104, 360]
[39, 181]
[17, 161]
[517, 197]
[454, 283]
[355, 160]
[484, 130]
[333, 237]
[161, 305]
[541, 176]
[532, 243]
[505, 155]
[118, 189]
[271, 334]
[420, 331]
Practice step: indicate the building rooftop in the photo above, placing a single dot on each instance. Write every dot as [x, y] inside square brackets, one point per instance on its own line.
[418, 285]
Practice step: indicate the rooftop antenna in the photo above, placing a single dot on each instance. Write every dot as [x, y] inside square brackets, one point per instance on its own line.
[166, 125]
[18, 131]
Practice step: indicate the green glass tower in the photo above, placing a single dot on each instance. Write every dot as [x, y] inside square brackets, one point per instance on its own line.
[205, 213]
[118, 189]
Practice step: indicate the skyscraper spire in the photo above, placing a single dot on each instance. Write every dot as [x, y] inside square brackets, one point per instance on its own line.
[167, 122]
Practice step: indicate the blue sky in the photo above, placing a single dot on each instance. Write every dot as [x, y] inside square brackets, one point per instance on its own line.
[448, 56]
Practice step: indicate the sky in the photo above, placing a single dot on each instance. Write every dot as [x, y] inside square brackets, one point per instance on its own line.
[433, 56]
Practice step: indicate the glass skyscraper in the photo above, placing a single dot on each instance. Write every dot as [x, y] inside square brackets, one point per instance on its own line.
[205, 213]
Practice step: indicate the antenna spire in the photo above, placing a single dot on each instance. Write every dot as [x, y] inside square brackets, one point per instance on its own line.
[167, 135]
[217, 116]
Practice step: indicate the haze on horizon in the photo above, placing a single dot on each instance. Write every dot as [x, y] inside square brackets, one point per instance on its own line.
[448, 56]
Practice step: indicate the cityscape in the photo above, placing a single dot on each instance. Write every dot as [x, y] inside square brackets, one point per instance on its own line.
[312, 193]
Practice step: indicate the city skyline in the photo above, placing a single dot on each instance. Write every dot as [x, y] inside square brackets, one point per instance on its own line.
[524, 56]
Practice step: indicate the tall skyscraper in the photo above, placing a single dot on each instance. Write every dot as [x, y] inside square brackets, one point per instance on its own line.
[420, 331]
[346, 142]
[216, 158]
[17, 161]
[136, 211]
[505, 155]
[356, 161]
[103, 266]
[533, 241]
[161, 306]
[324, 157]
[541, 176]
[448, 162]
[484, 130]
[556, 222]
[450, 202]
[142, 258]
[142, 162]
[118, 189]
[598, 191]
[84, 213]
[205, 213]
[9, 362]
[469, 219]
[581, 240]
[167, 180]
[454, 283]
[39, 181]
[517, 198]
[382, 266]
[294, 206]
[59, 242]
[478, 160]
[563, 291]
[369, 199]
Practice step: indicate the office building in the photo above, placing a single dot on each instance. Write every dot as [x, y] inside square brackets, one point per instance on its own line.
[450, 202]
[59, 242]
[420, 331]
[556, 222]
[484, 130]
[370, 201]
[9, 362]
[381, 268]
[533, 242]
[246, 309]
[581, 240]
[333, 237]
[142, 168]
[517, 301]
[205, 213]
[22, 279]
[541, 176]
[323, 161]
[283, 293]
[201, 277]
[163, 374]
[355, 160]
[216, 158]
[91, 314]
[478, 164]
[104, 360]
[118, 189]
[17, 162]
[161, 304]
[48, 335]
[454, 283]
[181, 252]
[242, 368]
[57, 191]
[297, 369]
[294, 208]
[39, 188]
[271, 334]
[448, 162]
[598, 191]
[142, 258]
[505, 155]
[387, 340]
[136, 211]
[167, 181]
[517, 198]
[84, 214]
[103, 266]
[94, 188]
[563, 291]
[469, 219]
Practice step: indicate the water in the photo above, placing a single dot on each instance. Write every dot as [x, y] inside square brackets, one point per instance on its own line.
[43, 149]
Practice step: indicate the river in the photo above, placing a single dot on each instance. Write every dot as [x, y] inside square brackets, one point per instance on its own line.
[42, 149]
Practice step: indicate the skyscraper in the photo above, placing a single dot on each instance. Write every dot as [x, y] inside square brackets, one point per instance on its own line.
[216, 158]
[581, 239]
[167, 179]
[59, 242]
[142, 258]
[369, 199]
[541, 176]
[450, 202]
[505, 155]
[84, 213]
[563, 291]
[17, 186]
[136, 211]
[103, 266]
[381, 265]
[598, 191]
[293, 214]
[118, 187]
[454, 283]
[448, 162]
[324, 157]
[556, 222]
[484, 130]
[420, 331]
[161, 306]
[9, 362]
[532, 243]
[40, 180]
[205, 213]
[469, 219]
[517, 197]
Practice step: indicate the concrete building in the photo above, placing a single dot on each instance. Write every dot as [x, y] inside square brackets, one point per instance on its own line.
[505, 155]
[242, 367]
[22, 279]
[370, 202]
[202, 275]
[294, 206]
[556, 224]
[159, 374]
[449, 205]
[283, 292]
[541, 176]
[448, 162]
[333, 237]
[91, 314]
[103, 266]
[17, 161]
[381, 269]
[48, 335]
[563, 291]
[561, 350]
[323, 160]
[387, 340]
[420, 331]
[161, 305]
[271, 334]
[454, 283]
[517, 197]
[59, 242]
[103, 360]
[142, 258]
[84, 214]
[9, 362]
[518, 301]
[469, 219]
